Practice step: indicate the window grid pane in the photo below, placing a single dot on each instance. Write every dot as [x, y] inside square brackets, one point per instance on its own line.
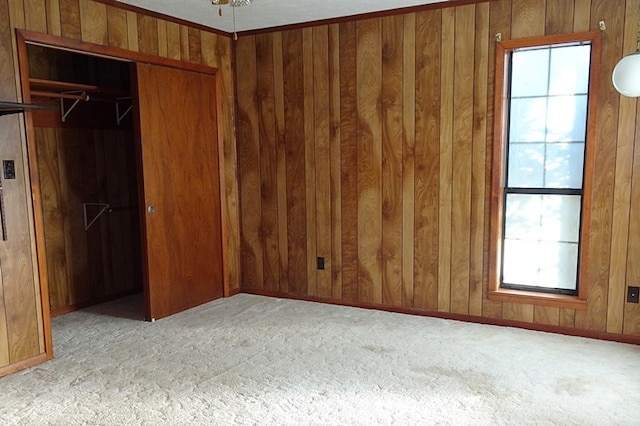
[545, 151]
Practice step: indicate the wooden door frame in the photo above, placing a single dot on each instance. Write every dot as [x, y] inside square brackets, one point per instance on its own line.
[23, 38]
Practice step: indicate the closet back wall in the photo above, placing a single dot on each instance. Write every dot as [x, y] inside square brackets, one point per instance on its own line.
[79, 166]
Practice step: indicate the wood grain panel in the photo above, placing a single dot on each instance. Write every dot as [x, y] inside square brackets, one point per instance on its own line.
[268, 162]
[427, 159]
[36, 15]
[528, 19]
[447, 70]
[462, 157]
[559, 19]
[335, 160]
[369, 65]
[173, 40]
[292, 54]
[546, 315]
[249, 155]
[322, 156]
[53, 17]
[518, 312]
[392, 131]
[281, 159]
[117, 27]
[195, 45]
[499, 23]
[132, 30]
[4, 337]
[479, 176]
[582, 15]
[163, 43]
[93, 16]
[47, 146]
[620, 235]
[148, 34]
[604, 176]
[72, 198]
[70, 19]
[349, 160]
[185, 48]
[310, 160]
[408, 156]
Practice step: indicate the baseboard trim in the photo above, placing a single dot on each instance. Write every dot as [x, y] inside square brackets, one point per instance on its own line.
[21, 365]
[599, 335]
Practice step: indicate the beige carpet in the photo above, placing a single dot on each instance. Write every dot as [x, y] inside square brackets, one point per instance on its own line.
[258, 360]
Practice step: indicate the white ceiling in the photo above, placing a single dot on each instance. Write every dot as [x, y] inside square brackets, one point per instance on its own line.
[269, 13]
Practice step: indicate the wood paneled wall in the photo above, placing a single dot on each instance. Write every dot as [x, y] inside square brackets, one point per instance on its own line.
[79, 166]
[21, 332]
[368, 143]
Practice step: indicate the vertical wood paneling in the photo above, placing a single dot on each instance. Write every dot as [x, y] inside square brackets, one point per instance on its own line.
[249, 156]
[53, 17]
[414, 133]
[528, 19]
[622, 191]
[632, 311]
[559, 17]
[369, 66]
[582, 16]
[163, 44]
[54, 224]
[604, 171]
[185, 48]
[447, 69]
[268, 162]
[408, 156]
[295, 160]
[427, 159]
[173, 40]
[148, 34]
[70, 19]
[479, 178]
[349, 159]
[335, 160]
[392, 101]
[463, 111]
[117, 27]
[195, 45]
[36, 15]
[281, 159]
[310, 160]
[322, 156]
[93, 16]
[132, 31]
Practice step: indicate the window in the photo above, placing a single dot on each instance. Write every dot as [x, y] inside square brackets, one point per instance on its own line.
[544, 100]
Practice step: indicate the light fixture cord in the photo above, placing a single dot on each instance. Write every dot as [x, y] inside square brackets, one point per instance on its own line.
[235, 34]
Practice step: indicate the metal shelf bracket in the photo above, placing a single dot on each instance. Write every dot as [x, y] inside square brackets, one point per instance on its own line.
[81, 96]
[104, 208]
[127, 110]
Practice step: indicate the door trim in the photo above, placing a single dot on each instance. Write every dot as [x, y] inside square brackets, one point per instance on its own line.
[25, 37]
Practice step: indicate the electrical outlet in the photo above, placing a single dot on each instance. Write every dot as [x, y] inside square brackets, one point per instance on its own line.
[633, 294]
[320, 262]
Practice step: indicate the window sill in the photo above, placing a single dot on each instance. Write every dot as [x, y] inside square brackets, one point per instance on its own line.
[533, 298]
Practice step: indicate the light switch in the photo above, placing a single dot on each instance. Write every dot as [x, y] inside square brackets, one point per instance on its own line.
[9, 169]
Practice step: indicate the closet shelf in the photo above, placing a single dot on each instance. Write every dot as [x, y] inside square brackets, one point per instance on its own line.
[17, 107]
[52, 89]
[77, 92]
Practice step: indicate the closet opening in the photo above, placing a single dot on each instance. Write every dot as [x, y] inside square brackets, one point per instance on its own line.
[87, 169]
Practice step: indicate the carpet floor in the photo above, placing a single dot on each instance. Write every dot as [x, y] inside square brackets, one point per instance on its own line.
[257, 360]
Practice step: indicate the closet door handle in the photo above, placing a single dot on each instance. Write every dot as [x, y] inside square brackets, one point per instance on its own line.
[151, 209]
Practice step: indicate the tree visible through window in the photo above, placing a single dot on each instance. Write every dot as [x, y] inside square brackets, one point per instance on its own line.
[542, 172]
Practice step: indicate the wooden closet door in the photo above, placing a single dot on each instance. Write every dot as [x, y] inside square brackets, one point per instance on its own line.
[180, 190]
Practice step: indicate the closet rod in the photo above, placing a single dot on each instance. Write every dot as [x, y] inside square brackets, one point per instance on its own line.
[82, 97]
